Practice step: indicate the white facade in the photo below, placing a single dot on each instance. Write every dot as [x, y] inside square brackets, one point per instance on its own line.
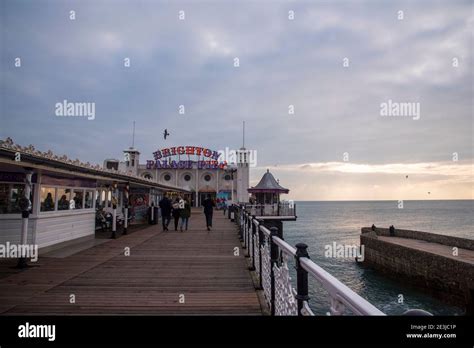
[243, 175]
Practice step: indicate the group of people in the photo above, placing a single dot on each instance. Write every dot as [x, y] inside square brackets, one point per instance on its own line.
[181, 208]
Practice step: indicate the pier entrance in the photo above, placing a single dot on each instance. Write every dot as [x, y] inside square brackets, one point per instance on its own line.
[203, 196]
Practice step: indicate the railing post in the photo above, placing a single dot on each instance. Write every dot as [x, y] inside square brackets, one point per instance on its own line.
[125, 203]
[261, 240]
[254, 231]
[242, 227]
[247, 228]
[274, 256]
[247, 241]
[301, 277]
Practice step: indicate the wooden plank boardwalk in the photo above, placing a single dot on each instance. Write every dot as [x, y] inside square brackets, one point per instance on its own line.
[167, 273]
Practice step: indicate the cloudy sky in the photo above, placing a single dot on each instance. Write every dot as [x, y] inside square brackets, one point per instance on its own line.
[334, 62]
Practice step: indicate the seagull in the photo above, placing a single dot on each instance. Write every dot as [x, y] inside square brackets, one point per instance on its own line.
[166, 134]
[406, 177]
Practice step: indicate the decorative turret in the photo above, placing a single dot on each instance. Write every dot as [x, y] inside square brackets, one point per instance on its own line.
[268, 190]
[132, 158]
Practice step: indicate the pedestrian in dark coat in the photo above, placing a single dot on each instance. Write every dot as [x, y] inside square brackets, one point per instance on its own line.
[176, 213]
[208, 205]
[165, 207]
[185, 215]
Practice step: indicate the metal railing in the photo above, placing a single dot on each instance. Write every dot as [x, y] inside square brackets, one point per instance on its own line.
[276, 209]
[270, 256]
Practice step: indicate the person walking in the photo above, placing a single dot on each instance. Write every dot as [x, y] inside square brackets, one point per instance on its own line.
[176, 213]
[185, 215]
[208, 205]
[165, 207]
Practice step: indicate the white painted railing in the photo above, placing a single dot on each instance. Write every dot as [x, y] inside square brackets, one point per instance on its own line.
[276, 209]
[282, 298]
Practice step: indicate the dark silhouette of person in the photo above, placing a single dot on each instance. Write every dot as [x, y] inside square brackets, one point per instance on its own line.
[63, 203]
[185, 215]
[165, 207]
[208, 205]
[49, 202]
[176, 213]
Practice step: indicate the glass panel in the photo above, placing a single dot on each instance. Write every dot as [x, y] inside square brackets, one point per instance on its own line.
[109, 199]
[4, 194]
[10, 195]
[48, 197]
[16, 193]
[78, 199]
[64, 196]
[88, 203]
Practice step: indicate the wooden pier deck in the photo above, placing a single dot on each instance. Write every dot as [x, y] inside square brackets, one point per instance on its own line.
[167, 273]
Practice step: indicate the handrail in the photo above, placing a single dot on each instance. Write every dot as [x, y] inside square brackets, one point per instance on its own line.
[333, 285]
[285, 246]
[338, 289]
[279, 292]
[265, 230]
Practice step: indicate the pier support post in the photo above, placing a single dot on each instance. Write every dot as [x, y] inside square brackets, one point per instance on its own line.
[274, 256]
[301, 277]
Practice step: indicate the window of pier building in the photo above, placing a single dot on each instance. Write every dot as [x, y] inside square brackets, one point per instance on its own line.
[10, 195]
[53, 198]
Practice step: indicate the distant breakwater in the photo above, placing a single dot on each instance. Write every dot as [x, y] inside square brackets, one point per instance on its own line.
[442, 265]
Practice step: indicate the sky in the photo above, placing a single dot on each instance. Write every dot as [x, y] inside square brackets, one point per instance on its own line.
[334, 63]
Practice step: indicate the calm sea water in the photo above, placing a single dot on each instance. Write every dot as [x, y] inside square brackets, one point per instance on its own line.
[322, 223]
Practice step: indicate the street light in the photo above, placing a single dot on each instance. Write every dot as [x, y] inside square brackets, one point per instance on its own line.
[231, 169]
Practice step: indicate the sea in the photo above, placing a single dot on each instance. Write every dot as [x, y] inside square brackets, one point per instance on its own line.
[323, 223]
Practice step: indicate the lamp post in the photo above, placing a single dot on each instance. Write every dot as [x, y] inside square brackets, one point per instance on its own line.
[25, 206]
[231, 169]
[114, 210]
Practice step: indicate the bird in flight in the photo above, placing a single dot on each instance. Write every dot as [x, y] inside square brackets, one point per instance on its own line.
[166, 134]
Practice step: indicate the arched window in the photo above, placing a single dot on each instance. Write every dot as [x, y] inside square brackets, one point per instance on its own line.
[147, 176]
